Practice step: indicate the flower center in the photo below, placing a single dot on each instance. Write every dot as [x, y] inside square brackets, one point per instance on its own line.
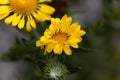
[23, 7]
[60, 37]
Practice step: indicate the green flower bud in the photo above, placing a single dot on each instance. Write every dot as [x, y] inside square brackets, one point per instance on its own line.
[55, 71]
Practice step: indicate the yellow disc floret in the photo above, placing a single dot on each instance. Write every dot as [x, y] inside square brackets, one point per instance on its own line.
[24, 7]
[60, 37]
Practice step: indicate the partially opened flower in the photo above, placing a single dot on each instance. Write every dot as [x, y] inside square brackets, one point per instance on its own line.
[55, 71]
[60, 36]
[25, 12]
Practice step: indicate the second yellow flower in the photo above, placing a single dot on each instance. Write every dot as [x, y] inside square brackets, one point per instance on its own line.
[25, 12]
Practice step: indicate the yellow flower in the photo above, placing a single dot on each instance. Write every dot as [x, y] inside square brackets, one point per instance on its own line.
[60, 36]
[25, 12]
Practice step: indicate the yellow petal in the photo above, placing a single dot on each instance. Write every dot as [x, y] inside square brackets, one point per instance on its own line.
[44, 16]
[67, 50]
[45, 0]
[43, 39]
[4, 9]
[37, 16]
[4, 1]
[41, 16]
[32, 22]
[58, 49]
[77, 34]
[73, 28]
[54, 27]
[28, 27]
[65, 23]
[49, 47]
[82, 32]
[55, 21]
[76, 26]
[47, 33]
[38, 43]
[16, 20]
[3, 15]
[9, 19]
[66, 19]
[21, 23]
[46, 9]
[74, 45]
[51, 28]
[75, 40]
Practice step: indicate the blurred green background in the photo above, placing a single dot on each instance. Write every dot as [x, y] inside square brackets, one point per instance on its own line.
[98, 57]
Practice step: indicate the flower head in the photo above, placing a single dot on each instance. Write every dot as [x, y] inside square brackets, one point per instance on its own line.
[55, 71]
[25, 12]
[60, 35]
